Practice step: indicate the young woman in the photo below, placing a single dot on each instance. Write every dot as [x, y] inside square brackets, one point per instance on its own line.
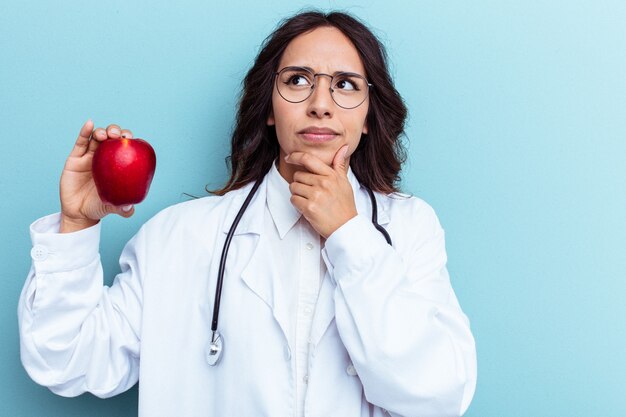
[332, 300]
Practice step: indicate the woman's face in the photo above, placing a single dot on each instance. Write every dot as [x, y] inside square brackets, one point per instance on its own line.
[324, 50]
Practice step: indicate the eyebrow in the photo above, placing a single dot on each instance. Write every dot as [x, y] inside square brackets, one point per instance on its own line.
[334, 73]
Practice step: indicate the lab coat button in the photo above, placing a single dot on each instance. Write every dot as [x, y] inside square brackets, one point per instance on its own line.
[287, 353]
[39, 253]
[308, 311]
[306, 379]
[309, 246]
[351, 370]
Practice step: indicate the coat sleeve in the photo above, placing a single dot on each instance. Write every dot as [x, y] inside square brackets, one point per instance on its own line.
[398, 316]
[77, 335]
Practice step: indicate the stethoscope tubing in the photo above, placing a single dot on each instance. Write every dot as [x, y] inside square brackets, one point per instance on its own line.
[375, 217]
[229, 238]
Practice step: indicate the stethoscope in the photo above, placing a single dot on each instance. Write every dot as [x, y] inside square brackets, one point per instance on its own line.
[216, 345]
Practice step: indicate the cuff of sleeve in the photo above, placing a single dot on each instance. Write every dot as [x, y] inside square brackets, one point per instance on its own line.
[353, 246]
[53, 251]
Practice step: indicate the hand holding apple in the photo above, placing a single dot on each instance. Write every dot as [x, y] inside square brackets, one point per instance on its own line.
[81, 206]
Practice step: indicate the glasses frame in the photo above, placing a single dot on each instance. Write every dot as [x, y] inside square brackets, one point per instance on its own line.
[313, 77]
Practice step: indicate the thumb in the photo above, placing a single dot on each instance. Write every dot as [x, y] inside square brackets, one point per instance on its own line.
[340, 161]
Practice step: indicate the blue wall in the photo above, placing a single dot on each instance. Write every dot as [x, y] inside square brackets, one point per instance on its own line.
[517, 138]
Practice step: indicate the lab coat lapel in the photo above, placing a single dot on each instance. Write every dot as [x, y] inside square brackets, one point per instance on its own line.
[324, 310]
[260, 274]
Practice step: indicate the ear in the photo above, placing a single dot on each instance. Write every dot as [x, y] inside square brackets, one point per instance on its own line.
[270, 119]
[364, 131]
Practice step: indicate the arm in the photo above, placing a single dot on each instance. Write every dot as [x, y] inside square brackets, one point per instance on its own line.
[398, 316]
[395, 309]
[77, 335]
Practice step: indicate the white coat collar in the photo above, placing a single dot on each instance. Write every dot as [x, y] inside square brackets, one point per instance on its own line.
[283, 213]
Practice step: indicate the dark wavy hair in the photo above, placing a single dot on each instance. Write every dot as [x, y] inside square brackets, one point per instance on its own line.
[254, 147]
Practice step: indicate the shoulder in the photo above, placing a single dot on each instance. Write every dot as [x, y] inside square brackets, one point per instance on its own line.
[403, 206]
[201, 213]
[411, 215]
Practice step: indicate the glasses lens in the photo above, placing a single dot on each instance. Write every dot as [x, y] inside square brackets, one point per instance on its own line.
[349, 90]
[295, 84]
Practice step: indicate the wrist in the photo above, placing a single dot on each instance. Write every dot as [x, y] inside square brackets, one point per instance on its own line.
[339, 224]
[69, 224]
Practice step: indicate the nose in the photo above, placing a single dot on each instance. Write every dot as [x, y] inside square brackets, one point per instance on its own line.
[320, 103]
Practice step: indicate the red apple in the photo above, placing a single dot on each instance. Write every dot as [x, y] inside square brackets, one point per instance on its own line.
[122, 170]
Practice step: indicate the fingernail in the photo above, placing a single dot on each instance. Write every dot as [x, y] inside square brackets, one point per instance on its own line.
[127, 208]
[115, 131]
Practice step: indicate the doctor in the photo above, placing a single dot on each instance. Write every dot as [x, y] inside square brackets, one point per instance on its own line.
[319, 315]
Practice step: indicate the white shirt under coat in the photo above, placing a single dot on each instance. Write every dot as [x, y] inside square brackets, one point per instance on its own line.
[387, 336]
[298, 261]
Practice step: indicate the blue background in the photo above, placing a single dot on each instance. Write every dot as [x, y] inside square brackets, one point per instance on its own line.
[517, 137]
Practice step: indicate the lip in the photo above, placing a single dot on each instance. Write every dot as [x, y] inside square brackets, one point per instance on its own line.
[318, 134]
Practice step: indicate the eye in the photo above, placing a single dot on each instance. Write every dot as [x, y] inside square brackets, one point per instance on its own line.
[295, 78]
[347, 84]
[298, 80]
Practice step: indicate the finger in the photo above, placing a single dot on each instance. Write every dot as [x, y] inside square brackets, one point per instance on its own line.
[301, 190]
[307, 207]
[305, 177]
[127, 134]
[82, 142]
[97, 136]
[127, 211]
[298, 202]
[124, 211]
[340, 161]
[311, 162]
[114, 131]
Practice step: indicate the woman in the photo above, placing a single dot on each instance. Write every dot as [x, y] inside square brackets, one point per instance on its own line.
[318, 316]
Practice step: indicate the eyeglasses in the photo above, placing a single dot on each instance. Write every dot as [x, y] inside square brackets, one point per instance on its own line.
[296, 84]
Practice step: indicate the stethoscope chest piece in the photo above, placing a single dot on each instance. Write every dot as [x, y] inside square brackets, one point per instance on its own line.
[214, 350]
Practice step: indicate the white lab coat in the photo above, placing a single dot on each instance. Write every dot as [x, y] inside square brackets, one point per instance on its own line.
[388, 335]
